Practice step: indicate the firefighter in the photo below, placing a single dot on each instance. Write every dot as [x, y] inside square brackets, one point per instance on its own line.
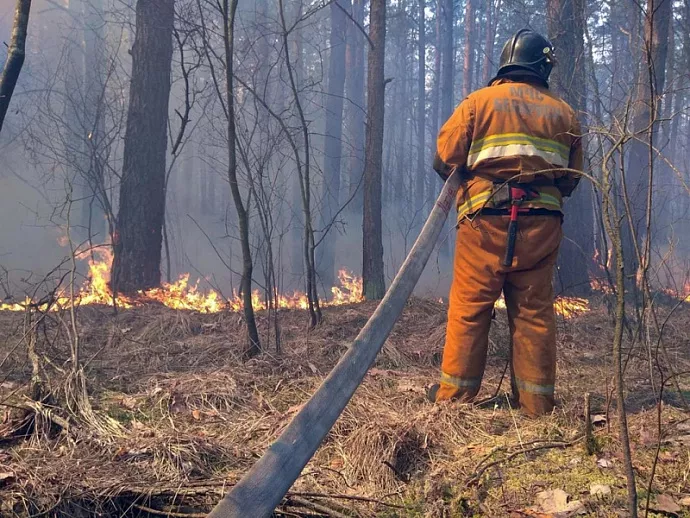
[517, 148]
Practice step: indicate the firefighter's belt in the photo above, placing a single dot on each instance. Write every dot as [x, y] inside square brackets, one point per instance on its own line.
[499, 197]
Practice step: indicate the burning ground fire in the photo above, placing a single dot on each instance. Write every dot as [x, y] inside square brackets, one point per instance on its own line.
[567, 307]
[183, 295]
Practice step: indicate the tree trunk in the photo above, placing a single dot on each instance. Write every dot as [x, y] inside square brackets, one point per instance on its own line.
[565, 20]
[447, 64]
[422, 156]
[95, 203]
[431, 180]
[468, 62]
[333, 142]
[491, 23]
[355, 111]
[447, 88]
[138, 238]
[664, 207]
[16, 53]
[372, 269]
[646, 107]
[254, 346]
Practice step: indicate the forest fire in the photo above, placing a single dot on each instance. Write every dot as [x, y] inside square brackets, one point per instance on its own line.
[182, 294]
[566, 307]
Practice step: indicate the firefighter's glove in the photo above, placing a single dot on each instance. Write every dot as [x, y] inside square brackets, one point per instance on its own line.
[441, 168]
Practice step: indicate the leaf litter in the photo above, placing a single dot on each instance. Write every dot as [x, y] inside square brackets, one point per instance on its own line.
[196, 417]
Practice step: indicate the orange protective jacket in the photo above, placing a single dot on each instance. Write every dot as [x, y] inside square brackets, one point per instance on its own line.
[534, 141]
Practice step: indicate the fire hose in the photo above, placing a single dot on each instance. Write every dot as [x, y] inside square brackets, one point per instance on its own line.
[262, 489]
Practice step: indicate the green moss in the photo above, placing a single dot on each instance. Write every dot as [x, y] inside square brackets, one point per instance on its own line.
[120, 414]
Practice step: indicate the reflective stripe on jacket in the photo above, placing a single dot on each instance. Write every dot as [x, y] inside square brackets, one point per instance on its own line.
[513, 131]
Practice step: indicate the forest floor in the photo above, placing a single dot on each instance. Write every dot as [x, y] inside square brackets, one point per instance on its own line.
[188, 417]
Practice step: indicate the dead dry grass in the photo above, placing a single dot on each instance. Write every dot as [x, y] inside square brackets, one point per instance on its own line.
[195, 417]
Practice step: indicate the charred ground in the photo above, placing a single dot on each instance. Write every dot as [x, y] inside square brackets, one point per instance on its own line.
[189, 416]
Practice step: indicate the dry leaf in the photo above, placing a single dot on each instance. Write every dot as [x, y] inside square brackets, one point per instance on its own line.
[196, 414]
[599, 490]
[604, 463]
[379, 372]
[598, 420]
[666, 504]
[556, 501]
[409, 386]
[121, 452]
[552, 501]
[6, 478]
[685, 501]
[129, 402]
[313, 368]
[294, 409]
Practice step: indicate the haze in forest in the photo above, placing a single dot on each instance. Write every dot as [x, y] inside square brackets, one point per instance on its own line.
[63, 144]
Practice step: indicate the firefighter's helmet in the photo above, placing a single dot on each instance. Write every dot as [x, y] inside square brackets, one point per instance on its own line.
[527, 50]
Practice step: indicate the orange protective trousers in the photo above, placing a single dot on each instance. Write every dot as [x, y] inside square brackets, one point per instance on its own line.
[478, 279]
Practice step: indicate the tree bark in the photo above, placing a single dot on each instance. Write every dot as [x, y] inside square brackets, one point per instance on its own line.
[650, 86]
[138, 237]
[15, 56]
[333, 143]
[491, 23]
[565, 20]
[422, 155]
[447, 88]
[431, 180]
[355, 111]
[468, 61]
[95, 203]
[612, 223]
[372, 268]
[447, 61]
[254, 346]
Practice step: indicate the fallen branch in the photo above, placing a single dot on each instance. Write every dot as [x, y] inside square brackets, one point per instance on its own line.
[172, 514]
[47, 413]
[349, 497]
[317, 507]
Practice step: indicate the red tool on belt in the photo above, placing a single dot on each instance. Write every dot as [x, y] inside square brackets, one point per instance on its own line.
[518, 194]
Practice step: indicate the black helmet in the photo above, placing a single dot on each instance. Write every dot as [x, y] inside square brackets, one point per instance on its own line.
[527, 50]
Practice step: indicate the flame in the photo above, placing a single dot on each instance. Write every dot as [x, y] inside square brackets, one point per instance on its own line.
[601, 285]
[570, 306]
[181, 294]
[681, 294]
[600, 282]
[567, 307]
